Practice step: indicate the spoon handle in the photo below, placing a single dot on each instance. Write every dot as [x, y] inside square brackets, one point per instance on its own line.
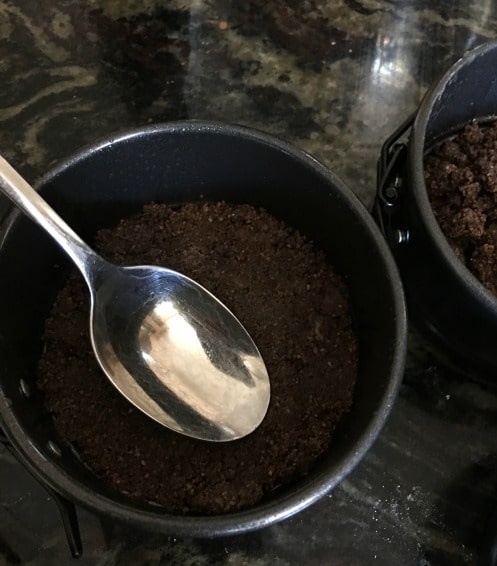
[20, 192]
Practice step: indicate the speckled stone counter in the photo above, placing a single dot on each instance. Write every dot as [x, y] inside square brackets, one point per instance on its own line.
[335, 78]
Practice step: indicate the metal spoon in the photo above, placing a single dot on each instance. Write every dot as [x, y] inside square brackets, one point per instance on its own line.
[167, 344]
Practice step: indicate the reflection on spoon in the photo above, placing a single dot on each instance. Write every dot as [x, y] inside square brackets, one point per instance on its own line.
[202, 377]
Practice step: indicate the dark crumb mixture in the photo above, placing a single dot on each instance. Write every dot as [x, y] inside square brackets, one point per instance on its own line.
[461, 179]
[292, 304]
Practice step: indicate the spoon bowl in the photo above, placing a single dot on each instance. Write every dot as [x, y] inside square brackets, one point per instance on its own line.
[165, 342]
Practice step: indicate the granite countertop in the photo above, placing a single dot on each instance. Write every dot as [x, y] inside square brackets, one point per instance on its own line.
[335, 78]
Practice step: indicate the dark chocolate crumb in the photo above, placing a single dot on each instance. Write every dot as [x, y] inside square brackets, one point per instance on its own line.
[291, 302]
[461, 180]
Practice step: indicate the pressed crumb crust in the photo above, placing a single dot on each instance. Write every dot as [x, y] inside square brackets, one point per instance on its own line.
[293, 305]
[461, 180]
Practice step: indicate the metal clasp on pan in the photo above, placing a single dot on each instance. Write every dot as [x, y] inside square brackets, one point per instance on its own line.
[388, 210]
